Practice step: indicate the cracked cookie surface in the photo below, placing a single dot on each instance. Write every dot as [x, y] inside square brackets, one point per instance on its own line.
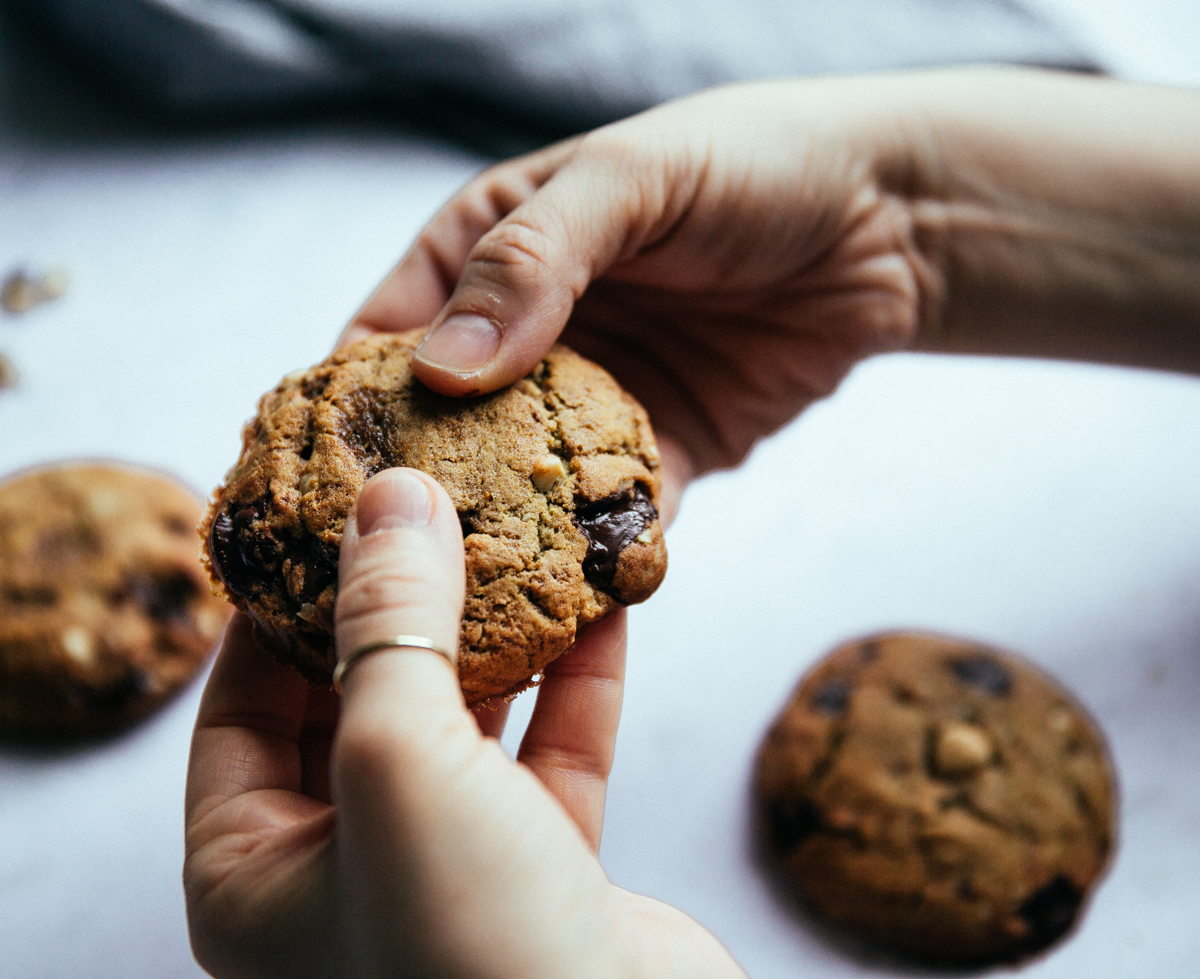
[941, 797]
[105, 610]
[555, 480]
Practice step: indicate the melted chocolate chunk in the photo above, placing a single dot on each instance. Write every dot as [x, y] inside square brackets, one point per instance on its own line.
[984, 673]
[165, 598]
[793, 822]
[366, 424]
[833, 696]
[320, 568]
[231, 545]
[1050, 911]
[611, 525]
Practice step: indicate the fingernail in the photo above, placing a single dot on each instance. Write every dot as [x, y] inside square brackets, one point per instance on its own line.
[396, 498]
[462, 343]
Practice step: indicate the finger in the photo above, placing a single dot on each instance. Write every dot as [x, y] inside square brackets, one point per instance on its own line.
[400, 573]
[405, 735]
[678, 470]
[414, 292]
[248, 725]
[571, 736]
[522, 278]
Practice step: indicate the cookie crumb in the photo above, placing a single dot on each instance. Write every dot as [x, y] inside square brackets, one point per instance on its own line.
[23, 290]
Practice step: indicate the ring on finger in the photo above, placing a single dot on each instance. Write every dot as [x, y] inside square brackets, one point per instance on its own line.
[395, 642]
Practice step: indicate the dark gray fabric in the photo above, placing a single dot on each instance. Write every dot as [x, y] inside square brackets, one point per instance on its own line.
[554, 65]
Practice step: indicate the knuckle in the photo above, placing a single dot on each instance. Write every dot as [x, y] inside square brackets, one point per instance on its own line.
[610, 144]
[382, 590]
[518, 245]
[574, 761]
[507, 190]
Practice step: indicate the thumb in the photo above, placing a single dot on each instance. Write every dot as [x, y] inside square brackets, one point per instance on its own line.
[522, 278]
[403, 730]
[401, 573]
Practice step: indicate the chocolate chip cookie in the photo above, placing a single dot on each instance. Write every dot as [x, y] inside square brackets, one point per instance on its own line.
[944, 798]
[105, 609]
[555, 480]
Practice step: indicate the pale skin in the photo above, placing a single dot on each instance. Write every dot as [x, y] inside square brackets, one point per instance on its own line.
[729, 258]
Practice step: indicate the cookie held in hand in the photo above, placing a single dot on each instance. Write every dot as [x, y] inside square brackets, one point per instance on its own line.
[940, 797]
[105, 610]
[555, 480]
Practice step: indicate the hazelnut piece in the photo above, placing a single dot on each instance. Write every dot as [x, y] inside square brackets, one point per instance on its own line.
[78, 644]
[961, 749]
[547, 471]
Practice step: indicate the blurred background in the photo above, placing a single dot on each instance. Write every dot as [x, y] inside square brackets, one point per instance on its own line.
[218, 184]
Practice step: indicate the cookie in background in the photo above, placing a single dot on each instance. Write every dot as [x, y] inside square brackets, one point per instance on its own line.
[105, 610]
[942, 798]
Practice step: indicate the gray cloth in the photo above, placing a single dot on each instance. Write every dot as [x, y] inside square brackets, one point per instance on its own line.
[551, 66]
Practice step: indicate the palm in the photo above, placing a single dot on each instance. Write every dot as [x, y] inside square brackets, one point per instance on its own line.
[718, 370]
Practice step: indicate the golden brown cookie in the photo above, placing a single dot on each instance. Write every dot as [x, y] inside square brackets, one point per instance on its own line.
[555, 480]
[105, 609]
[941, 797]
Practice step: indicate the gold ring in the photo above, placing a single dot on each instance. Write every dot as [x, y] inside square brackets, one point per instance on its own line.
[395, 642]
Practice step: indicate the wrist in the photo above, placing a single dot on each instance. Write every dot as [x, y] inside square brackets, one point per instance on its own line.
[1056, 215]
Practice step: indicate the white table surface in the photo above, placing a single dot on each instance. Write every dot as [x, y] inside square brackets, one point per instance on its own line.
[1048, 508]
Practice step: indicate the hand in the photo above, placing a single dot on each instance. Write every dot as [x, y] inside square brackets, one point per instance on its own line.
[393, 836]
[730, 256]
[727, 257]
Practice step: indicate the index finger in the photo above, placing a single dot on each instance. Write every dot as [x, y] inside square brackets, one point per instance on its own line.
[414, 292]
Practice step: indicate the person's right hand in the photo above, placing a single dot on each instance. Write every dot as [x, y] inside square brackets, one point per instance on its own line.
[385, 835]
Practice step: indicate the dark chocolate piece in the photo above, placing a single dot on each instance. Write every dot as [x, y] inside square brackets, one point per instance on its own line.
[793, 822]
[320, 569]
[165, 598]
[984, 673]
[1050, 911]
[365, 427]
[36, 594]
[228, 543]
[832, 697]
[611, 525]
[112, 696]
